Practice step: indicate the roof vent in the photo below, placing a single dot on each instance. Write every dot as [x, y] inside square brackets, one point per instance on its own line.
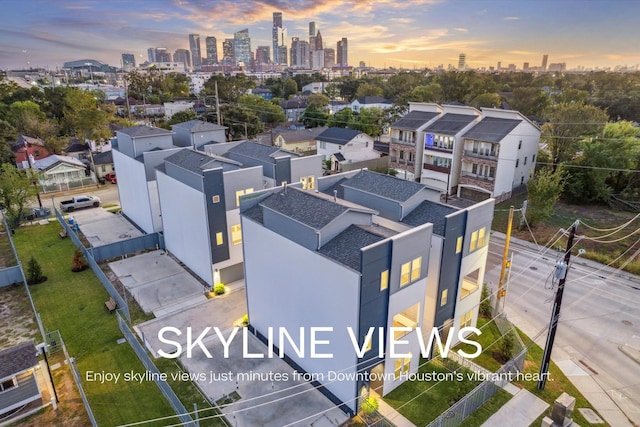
[335, 195]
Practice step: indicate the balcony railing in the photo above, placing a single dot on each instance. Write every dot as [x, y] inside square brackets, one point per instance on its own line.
[440, 149]
[401, 161]
[435, 168]
[477, 177]
[483, 154]
[403, 142]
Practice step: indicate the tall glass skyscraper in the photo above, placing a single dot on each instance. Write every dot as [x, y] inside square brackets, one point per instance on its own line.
[194, 47]
[212, 50]
[276, 35]
[242, 46]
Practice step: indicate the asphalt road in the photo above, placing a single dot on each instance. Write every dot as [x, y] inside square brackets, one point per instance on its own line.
[600, 313]
[108, 194]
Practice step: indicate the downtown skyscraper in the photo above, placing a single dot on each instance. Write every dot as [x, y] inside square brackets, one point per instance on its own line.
[242, 46]
[212, 50]
[342, 53]
[278, 39]
[194, 47]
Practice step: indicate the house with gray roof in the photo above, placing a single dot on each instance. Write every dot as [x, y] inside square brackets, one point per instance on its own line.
[18, 383]
[370, 102]
[499, 155]
[197, 133]
[302, 141]
[346, 148]
[61, 173]
[350, 273]
[199, 198]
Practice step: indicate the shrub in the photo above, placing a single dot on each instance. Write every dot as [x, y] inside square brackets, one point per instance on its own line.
[78, 263]
[34, 272]
[219, 289]
[485, 303]
[369, 406]
[507, 345]
[245, 320]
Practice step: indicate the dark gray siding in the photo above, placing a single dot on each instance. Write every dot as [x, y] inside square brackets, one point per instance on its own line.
[282, 170]
[450, 266]
[27, 390]
[213, 183]
[387, 208]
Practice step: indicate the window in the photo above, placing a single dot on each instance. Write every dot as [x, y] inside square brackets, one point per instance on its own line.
[8, 384]
[323, 145]
[481, 237]
[443, 297]
[404, 273]
[525, 160]
[459, 245]
[236, 234]
[406, 319]
[415, 268]
[219, 239]
[242, 193]
[465, 320]
[469, 284]
[339, 147]
[474, 168]
[519, 144]
[517, 162]
[384, 280]
[533, 158]
[215, 199]
[308, 182]
[474, 241]
[521, 180]
[366, 144]
[402, 367]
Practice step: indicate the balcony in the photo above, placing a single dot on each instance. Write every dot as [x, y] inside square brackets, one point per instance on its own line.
[438, 148]
[435, 168]
[410, 143]
[469, 178]
[482, 154]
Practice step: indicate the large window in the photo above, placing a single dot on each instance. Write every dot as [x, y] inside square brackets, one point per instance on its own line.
[236, 234]
[407, 319]
[308, 182]
[242, 193]
[410, 271]
[443, 297]
[478, 239]
[404, 273]
[459, 245]
[466, 319]
[469, 284]
[402, 367]
[416, 264]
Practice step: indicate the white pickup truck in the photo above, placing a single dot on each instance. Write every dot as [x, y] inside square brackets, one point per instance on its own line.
[79, 202]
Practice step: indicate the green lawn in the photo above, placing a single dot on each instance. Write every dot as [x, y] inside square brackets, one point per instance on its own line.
[490, 342]
[489, 408]
[74, 304]
[434, 396]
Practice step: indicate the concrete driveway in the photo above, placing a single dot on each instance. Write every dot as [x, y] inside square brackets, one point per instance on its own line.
[101, 227]
[158, 283]
[267, 399]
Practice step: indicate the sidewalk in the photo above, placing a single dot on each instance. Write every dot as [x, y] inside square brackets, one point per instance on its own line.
[522, 410]
[391, 414]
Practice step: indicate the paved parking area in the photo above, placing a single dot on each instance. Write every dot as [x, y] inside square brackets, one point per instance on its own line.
[263, 402]
[101, 227]
[158, 283]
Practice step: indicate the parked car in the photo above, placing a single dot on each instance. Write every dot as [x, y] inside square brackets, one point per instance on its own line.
[79, 202]
[111, 177]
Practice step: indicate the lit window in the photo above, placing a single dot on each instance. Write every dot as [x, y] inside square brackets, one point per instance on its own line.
[459, 245]
[308, 182]
[481, 237]
[443, 297]
[402, 367]
[236, 234]
[219, 239]
[215, 199]
[415, 268]
[404, 273]
[465, 320]
[384, 280]
[242, 193]
[406, 319]
[469, 284]
[474, 241]
[369, 344]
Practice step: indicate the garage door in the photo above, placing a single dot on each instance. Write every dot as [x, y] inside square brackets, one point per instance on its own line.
[472, 194]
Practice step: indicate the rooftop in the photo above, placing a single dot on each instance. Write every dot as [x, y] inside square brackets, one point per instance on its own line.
[193, 161]
[432, 212]
[298, 135]
[450, 124]
[345, 247]
[198, 126]
[104, 158]
[259, 151]
[142, 131]
[54, 159]
[338, 136]
[383, 185]
[492, 129]
[17, 359]
[413, 120]
[372, 100]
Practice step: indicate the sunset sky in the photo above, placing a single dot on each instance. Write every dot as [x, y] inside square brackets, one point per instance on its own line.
[406, 33]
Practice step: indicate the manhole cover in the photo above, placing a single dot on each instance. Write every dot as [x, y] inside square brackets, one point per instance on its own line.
[627, 323]
[533, 268]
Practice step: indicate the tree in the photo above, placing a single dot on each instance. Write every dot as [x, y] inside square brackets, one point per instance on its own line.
[181, 117]
[289, 88]
[403, 83]
[16, 192]
[568, 96]
[314, 116]
[344, 118]
[242, 122]
[543, 191]
[78, 262]
[567, 124]
[370, 121]
[265, 110]
[8, 136]
[488, 100]
[229, 88]
[368, 89]
[332, 90]
[83, 116]
[34, 272]
[507, 345]
[529, 101]
[175, 85]
[318, 99]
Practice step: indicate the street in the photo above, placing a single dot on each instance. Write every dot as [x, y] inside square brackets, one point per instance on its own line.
[599, 314]
[108, 194]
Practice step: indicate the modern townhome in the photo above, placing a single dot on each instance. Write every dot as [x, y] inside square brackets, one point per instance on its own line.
[499, 155]
[371, 250]
[199, 199]
[136, 152]
[348, 274]
[18, 382]
[442, 148]
[407, 136]
[344, 146]
[197, 133]
[278, 165]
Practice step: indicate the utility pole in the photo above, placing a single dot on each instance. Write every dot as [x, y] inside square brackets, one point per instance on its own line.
[32, 172]
[217, 103]
[505, 261]
[555, 313]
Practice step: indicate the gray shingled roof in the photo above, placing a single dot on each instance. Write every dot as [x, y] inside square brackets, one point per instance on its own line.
[372, 100]
[450, 124]
[492, 129]
[413, 120]
[337, 186]
[427, 211]
[304, 207]
[198, 126]
[339, 157]
[193, 161]
[142, 131]
[17, 359]
[383, 185]
[259, 151]
[340, 136]
[345, 247]
[299, 135]
[104, 158]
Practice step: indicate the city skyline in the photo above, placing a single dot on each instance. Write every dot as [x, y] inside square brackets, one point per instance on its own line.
[384, 33]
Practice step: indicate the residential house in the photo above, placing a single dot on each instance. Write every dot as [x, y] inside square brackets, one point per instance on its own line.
[499, 155]
[394, 255]
[442, 147]
[316, 87]
[336, 105]
[61, 173]
[199, 198]
[136, 152]
[170, 108]
[102, 163]
[18, 382]
[301, 141]
[293, 109]
[263, 92]
[197, 133]
[370, 102]
[77, 149]
[406, 136]
[28, 146]
[344, 146]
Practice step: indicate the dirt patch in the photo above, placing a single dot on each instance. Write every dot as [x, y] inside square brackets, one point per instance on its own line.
[16, 316]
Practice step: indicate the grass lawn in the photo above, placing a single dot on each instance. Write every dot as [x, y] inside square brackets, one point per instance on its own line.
[489, 408]
[563, 216]
[554, 387]
[6, 253]
[74, 304]
[434, 396]
[489, 340]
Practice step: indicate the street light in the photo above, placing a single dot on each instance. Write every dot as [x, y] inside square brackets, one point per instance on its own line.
[90, 70]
